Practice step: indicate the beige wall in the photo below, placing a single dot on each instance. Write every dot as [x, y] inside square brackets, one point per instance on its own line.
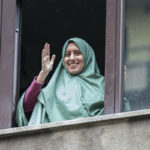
[124, 131]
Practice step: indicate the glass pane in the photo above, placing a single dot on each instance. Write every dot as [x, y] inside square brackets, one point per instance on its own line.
[137, 54]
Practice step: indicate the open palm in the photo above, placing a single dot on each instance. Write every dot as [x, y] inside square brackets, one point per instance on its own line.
[47, 64]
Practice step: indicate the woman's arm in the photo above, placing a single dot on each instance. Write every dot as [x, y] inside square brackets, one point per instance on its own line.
[36, 85]
[31, 95]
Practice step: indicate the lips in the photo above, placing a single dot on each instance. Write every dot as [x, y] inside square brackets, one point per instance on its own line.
[73, 66]
[73, 63]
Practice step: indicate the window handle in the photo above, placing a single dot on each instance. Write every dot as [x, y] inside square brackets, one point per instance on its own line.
[17, 30]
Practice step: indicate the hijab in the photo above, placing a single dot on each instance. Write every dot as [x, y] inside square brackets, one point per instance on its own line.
[68, 96]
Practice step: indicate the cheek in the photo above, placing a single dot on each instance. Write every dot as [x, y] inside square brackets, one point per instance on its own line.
[82, 62]
[65, 61]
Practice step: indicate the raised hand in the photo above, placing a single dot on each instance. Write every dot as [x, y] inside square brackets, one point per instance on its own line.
[47, 64]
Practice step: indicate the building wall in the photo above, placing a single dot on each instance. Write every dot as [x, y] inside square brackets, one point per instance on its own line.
[109, 132]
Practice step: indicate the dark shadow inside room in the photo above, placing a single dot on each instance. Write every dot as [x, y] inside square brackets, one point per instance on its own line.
[55, 21]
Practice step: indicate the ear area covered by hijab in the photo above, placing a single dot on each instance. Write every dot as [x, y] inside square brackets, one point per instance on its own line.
[69, 96]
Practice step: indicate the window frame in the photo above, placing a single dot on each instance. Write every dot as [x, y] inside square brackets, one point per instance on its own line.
[10, 45]
[7, 45]
[114, 56]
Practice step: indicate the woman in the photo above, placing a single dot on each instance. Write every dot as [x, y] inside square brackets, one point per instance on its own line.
[76, 90]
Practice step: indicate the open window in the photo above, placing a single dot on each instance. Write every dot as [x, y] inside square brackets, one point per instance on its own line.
[55, 22]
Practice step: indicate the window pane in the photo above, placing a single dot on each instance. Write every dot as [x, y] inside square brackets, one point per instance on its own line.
[137, 54]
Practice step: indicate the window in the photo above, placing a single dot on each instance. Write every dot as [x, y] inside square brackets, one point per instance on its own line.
[137, 52]
[9, 77]
[55, 22]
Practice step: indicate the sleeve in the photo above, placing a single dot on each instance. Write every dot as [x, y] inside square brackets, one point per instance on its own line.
[31, 95]
[38, 115]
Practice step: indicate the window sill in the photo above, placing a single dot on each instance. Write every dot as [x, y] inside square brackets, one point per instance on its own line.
[83, 122]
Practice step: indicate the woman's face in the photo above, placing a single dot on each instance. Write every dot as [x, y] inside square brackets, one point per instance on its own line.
[74, 61]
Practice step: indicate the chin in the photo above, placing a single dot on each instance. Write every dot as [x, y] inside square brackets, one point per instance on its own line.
[74, 71]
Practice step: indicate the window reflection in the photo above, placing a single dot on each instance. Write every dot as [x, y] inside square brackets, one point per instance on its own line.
[137, 54]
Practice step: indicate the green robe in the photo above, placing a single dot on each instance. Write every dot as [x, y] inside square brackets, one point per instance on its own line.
[69, 96]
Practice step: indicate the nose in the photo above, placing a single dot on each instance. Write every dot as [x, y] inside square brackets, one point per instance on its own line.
[72, 56]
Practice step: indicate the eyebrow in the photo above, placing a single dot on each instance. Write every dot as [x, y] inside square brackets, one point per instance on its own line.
[74, 49]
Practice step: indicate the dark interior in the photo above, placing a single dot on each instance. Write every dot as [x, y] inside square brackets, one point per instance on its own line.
[55, 21]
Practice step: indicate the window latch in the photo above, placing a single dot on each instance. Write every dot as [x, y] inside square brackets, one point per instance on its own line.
[17, 30]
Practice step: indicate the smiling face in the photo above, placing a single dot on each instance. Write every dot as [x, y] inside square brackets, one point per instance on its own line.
[74, 61]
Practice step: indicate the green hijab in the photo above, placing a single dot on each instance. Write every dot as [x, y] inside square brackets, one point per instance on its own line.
[68, 96]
